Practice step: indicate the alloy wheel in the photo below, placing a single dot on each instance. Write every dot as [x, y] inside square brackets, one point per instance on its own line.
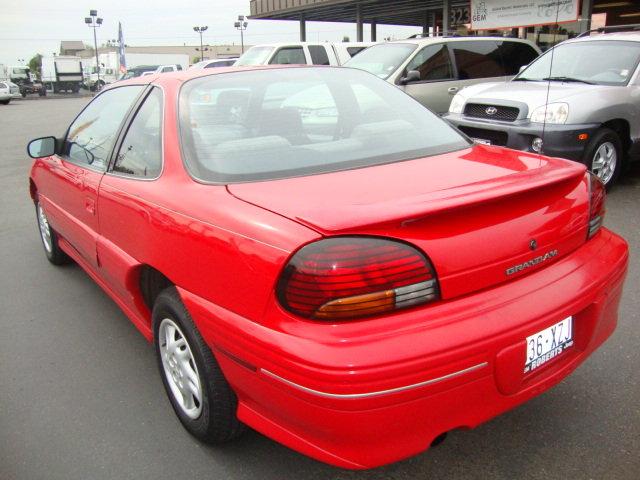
[604, 163]
[180, 368]
[45, 230]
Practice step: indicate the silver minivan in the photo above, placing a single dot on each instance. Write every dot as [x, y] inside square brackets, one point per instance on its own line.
[434, 69]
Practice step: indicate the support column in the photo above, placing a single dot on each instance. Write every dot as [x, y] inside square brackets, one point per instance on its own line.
[374, 30]
[303, 28]
[434, 23]
[359, 23]
[585, 15]
[446, 15]
[425, 25]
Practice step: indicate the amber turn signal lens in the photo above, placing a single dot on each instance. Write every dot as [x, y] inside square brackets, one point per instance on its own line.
[368, 304]
[583, 136]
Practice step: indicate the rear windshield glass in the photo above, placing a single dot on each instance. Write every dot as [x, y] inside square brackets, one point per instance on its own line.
[602, 62]
[382, 60]
[255, 56]
[268, 124]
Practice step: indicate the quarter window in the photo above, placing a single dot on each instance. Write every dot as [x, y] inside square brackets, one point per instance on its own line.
[289, 56]
[478, 59]
[318, 55]
[93, 133]
[433, 63]
[140, 154]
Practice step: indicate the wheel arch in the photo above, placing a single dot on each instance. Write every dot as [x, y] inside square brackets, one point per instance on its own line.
[623, 129]
[150, 282]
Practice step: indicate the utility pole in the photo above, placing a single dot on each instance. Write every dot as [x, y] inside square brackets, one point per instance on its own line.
[241, 25]
[94, 22]
[201, 30]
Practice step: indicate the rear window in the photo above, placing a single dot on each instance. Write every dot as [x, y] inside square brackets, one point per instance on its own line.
[289, 56]
[477, 59]
[269, 124]
[382, 59]
[514, 55]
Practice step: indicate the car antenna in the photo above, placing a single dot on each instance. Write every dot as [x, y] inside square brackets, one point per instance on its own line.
[546, 102]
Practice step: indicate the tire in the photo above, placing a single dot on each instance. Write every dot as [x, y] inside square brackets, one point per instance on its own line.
[5, 102]
[191, 367]
[604, 156]
[49, 238]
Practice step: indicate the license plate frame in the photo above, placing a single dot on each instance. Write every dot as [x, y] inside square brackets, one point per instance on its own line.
[548, 344]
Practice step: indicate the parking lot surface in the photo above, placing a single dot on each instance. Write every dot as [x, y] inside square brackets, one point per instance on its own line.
[81, 398]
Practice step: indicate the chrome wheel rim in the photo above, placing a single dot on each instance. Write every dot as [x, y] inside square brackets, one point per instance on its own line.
[45, 230]
[180, 368]
[605, 161]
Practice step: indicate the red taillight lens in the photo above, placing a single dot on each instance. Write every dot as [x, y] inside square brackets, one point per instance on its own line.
[350, 277]
[597, 197]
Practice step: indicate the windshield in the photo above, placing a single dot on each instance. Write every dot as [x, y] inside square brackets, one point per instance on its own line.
[255, 56]
[268, 124]
[601, 62]
[382, 60]
[20, 70]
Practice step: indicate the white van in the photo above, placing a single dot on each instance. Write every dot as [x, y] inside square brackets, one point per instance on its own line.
[301, 53]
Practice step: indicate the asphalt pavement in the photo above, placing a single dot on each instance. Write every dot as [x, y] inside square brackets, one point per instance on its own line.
[80, 396]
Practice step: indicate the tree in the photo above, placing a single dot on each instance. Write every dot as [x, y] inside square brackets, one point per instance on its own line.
[35, 64]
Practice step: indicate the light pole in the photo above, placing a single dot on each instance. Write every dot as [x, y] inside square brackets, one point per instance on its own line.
[201, 30]
[94, 22]
[241, 25]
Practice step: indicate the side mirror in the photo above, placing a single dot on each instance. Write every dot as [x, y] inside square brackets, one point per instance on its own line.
[42, 147]
[412, 76]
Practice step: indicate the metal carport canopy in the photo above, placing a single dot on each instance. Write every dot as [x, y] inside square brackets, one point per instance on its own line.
[400, 12]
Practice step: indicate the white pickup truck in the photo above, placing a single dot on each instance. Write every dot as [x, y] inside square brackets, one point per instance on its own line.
[301, 53]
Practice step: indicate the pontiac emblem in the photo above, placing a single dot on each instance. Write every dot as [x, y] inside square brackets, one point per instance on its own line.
[533, 244]
[531, 263]
[491, 110]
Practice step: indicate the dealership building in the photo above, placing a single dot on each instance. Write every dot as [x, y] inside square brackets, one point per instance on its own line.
[544, 21]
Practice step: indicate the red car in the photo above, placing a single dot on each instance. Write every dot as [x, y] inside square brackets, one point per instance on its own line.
[319, 257]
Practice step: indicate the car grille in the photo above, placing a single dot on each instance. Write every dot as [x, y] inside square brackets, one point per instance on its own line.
[499, 112]
[494, 136]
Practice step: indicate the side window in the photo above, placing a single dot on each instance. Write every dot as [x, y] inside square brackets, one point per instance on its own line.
[433, 63]
[92, 135]
[167, 69]
[514, 55]
[289, 56]
[318, 55]
[140, 154]
[353, 51]
[477, 59]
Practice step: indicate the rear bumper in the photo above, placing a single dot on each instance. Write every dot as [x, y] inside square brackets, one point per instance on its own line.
[559, 140]
[374, 392]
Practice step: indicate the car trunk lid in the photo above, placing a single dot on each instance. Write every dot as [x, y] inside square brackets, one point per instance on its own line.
[483, 215]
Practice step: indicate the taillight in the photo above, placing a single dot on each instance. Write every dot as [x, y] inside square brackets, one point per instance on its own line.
[597, 196]
[351, 277]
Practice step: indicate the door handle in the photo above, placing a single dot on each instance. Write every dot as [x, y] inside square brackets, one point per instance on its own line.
[453, 90]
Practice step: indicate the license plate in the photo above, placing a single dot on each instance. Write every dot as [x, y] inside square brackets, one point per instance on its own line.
[481, 141]
[548, 344]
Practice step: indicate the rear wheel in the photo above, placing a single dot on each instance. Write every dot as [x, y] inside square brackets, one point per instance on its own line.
[199, 394]
[5, 102]
[49, 239]
[604, 155]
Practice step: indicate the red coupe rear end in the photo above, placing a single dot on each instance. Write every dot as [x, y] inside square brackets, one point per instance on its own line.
[315, 254]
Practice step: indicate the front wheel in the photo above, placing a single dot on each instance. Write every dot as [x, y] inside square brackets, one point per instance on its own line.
[199, 394]
[49, 239]
[604, 155]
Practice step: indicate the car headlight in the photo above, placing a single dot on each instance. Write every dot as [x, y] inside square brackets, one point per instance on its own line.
[551, 113]
[457, 104]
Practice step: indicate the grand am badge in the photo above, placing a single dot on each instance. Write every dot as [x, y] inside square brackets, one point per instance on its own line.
[530, 263]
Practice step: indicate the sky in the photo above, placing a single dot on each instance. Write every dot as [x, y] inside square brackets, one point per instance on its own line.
[28, 27]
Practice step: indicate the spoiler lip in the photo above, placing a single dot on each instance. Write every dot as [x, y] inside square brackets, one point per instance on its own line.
[422, 206]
